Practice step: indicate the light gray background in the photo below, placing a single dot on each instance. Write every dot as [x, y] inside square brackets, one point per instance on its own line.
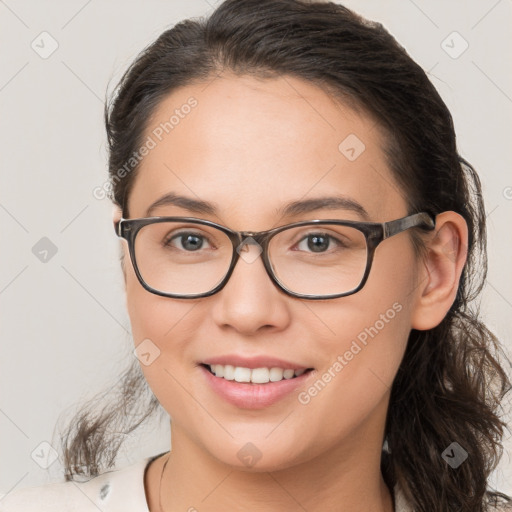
[65, 331]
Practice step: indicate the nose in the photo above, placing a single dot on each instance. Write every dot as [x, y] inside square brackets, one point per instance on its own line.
[250, 300]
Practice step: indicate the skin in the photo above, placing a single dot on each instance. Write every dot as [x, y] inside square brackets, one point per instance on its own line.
[244, 135]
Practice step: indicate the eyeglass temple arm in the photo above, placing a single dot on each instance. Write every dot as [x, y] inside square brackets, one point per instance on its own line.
[422, 219]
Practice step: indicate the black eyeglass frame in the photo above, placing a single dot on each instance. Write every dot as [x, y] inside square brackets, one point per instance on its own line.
[374, 232]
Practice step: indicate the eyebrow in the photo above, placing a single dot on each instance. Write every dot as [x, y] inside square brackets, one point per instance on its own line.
[290, 209]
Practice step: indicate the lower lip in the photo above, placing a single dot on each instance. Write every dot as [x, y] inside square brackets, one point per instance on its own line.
[253, 396]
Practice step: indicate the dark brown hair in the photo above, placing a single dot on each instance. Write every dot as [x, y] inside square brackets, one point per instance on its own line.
[450, 385]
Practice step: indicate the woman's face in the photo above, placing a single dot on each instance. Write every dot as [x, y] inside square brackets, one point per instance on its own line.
[249, 147]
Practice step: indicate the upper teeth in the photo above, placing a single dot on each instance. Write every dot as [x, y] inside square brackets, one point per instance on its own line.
[256, 375]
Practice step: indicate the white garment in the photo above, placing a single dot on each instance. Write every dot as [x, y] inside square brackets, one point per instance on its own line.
[120, 490]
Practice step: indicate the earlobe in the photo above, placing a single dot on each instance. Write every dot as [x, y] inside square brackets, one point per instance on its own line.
[123, 266]
[116, 214]
[440, 271]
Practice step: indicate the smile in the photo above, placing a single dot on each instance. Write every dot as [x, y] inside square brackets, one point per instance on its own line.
[255, 375]
[254, 388]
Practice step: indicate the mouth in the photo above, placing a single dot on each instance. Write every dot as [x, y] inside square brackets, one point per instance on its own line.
[254, 388]
[254, 376]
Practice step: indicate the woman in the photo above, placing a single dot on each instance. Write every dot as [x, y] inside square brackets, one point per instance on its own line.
[327, 358]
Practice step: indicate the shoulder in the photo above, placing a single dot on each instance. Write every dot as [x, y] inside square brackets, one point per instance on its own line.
[109, 491]
[501, 507]
[497, 502]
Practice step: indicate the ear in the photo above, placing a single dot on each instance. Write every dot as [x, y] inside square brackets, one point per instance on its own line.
[440, 271]
[116, 216]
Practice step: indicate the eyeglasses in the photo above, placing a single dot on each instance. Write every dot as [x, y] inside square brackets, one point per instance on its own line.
[185, 257]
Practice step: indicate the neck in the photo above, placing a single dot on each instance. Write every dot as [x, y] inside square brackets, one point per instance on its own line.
[346, 478]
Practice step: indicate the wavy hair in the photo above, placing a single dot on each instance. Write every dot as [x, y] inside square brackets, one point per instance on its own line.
[451, 382]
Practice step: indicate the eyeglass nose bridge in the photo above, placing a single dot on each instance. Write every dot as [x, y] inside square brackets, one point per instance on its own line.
[241, 240]
[247, 238]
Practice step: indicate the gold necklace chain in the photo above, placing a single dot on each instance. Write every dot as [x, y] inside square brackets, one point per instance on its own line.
[160, 486]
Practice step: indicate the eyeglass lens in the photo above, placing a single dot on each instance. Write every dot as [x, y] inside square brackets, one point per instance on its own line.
[187, 259]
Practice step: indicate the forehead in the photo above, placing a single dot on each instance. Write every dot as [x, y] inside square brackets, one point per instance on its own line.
[250, 145]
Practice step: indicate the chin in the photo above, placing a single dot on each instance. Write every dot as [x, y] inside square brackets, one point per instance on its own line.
[253, 459]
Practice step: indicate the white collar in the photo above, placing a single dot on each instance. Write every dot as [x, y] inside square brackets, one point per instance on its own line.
[117, 489]
[130, 480]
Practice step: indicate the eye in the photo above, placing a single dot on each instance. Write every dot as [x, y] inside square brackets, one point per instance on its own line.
[186, 240]
[318, 242]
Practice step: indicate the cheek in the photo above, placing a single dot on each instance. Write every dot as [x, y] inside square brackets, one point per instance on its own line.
[367, 340]
[160, 320]
[151, 316]
[360, 364]
[160, 332]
